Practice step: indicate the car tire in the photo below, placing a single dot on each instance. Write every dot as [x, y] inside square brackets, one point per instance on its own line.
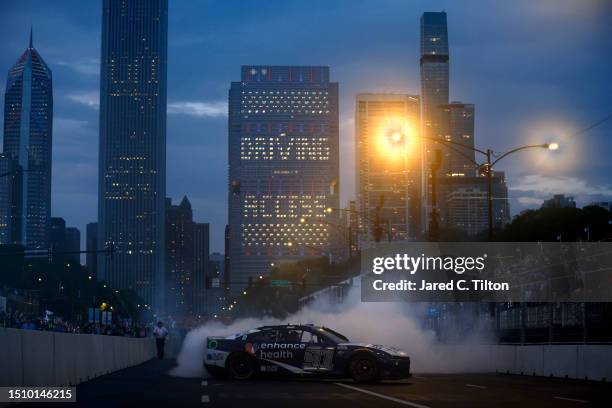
[241, 366]
[363, 368]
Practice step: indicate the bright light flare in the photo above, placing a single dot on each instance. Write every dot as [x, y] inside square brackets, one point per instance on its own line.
[394, 139]
[555, 135]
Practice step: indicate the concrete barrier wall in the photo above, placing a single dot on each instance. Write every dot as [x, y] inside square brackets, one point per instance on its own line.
[40, 358]
[582, 361]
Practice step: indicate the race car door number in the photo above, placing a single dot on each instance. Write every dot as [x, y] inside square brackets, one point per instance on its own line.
[318, 358]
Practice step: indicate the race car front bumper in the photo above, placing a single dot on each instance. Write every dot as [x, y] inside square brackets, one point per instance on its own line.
[396, 368]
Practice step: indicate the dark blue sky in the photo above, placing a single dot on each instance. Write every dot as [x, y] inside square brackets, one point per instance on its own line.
[536, 70]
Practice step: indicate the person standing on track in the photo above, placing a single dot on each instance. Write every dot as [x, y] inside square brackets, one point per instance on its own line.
[160, 333]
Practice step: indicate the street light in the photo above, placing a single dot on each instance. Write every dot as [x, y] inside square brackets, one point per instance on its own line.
[553, 146]
[487, 167]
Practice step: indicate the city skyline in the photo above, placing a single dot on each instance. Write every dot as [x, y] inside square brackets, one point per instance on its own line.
[494, 87]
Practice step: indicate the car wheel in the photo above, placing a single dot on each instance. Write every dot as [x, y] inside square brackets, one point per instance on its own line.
[241, 366]
[363, 368]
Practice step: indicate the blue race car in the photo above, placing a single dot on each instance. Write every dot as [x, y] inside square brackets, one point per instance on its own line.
[302, 350]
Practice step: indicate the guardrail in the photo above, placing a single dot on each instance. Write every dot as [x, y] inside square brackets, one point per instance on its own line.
[39, 358]
[581, 361]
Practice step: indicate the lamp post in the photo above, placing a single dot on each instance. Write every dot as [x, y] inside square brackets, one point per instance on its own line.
[487, 167]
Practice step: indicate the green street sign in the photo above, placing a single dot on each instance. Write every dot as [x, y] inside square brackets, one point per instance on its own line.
[280, 282]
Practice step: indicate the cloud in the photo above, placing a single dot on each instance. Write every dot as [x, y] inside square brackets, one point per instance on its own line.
[91, 99]
[61, 124]
[537, 188]
[87, 66]
[530, 201]
[215, 109]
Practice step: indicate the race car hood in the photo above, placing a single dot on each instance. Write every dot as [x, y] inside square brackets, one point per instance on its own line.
[395, 352]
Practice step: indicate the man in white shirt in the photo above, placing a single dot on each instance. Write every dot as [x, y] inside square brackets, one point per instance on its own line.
[160, 333]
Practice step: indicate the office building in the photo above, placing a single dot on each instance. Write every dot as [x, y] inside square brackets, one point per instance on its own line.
[73, 245]
[283, 167]
[179, 258]
[559, 201]
[462, 160]
[28, 124]
[65, 242]
[388, 164]
[9, 191]
[187, 262]
[434, 63]
[463, 203]
[132, 160]
[201, 269]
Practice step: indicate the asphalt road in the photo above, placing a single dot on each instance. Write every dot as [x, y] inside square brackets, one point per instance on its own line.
[150, 385]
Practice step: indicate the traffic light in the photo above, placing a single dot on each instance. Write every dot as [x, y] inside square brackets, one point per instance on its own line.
[208, 283]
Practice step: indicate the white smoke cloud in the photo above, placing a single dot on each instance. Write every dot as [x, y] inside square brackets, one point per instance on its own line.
[393, 324]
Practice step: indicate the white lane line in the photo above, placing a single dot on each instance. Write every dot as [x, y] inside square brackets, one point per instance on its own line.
[572, 399]
[375, 394]
[204, 383]
[205, 398]
[475, 386]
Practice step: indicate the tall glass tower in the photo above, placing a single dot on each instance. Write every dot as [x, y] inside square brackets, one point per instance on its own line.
[283, 167]
[434, 95]
[28, 123]
[388, 162]
[132, 172]
[434, 72]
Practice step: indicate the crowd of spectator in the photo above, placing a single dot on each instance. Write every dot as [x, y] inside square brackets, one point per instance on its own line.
[20, 320]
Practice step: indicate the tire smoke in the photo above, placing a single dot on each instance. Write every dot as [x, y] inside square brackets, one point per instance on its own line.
[395, 324]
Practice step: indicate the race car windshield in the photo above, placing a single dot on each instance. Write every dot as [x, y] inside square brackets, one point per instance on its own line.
[334, 335]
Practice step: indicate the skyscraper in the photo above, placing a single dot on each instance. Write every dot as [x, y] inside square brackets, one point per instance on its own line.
[65, 242]
[132, 172]
[9, 189]
[187, 247]
[201, 268]
[283, 167]
[179, 257]
[73, 243]
[461, 130]
[28, 124]
[434, 60]
[388, 161]
[434, 79]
